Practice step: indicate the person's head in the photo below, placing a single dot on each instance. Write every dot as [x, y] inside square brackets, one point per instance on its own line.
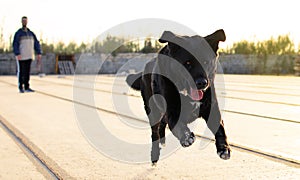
[24, 21]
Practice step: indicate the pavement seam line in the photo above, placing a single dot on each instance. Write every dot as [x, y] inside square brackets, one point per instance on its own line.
[34, 153]
[271, 156]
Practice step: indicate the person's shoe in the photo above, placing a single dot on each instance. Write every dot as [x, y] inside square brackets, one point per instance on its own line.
[21, 90]
[29, 90]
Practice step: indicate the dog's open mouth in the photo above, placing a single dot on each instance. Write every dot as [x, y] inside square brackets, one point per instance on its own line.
[196, 94]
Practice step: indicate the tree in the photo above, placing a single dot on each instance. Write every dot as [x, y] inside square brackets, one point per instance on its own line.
[47, 48]
[111, 43]
[244, 47]
[147, 46]
[71, 48]
[282, 45]
[10, 46]
[285, 45]
[59, 48]
[82, 48]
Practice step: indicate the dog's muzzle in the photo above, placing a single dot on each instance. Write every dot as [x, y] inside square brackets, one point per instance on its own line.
[197, 94]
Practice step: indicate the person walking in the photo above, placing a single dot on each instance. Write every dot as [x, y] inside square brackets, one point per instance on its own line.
[25, 45]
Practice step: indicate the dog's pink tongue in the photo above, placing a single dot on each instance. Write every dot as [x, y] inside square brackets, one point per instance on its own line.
[196, 94]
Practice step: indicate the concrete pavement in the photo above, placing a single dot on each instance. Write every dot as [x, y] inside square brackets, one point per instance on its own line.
[51, 124]
[14, 164]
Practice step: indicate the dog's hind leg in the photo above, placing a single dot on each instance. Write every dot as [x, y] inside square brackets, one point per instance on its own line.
[154, 116]
[155, 150]
[162, 129]
[158, 125]
[154, 123]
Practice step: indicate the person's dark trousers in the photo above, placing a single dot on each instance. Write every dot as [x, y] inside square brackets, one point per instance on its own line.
[24, 73]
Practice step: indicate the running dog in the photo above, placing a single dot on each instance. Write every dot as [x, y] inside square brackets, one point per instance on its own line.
[178, 87]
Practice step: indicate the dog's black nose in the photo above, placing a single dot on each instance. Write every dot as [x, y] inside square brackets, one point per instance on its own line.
[201, 83]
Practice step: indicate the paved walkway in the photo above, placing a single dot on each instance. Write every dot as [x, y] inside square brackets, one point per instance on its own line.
[48, 120]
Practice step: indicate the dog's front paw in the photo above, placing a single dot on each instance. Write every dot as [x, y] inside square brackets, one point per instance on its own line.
[224, 154]
[187, 139]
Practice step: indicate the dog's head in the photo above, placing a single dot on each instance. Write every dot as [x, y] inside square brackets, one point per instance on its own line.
[191, 61]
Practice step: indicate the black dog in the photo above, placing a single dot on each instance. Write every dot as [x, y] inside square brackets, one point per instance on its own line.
[178, 87]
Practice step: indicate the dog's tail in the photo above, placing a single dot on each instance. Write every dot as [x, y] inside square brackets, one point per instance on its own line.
[134, 80]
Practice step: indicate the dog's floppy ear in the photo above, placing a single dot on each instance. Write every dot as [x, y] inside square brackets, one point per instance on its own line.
[171, 39]
[167, 36]
[214, 39]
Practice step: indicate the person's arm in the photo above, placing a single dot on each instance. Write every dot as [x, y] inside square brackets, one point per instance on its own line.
[16, 45]
[37, 48]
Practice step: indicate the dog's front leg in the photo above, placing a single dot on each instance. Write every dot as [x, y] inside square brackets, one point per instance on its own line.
[212, 115]
[180, 130]
[216, 125]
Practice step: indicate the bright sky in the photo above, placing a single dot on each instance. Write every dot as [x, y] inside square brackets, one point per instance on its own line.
[59, 20]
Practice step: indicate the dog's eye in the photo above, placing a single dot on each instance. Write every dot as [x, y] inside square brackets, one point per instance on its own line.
[188, 64]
